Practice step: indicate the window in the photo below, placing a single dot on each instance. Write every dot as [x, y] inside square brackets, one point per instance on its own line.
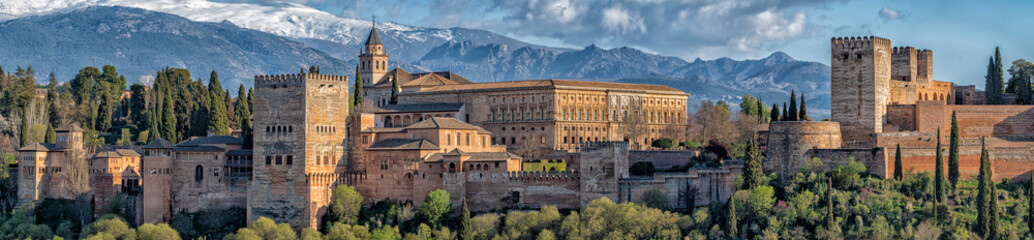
[290, 159]
[279, 160]
[199, 173]
[269, 160]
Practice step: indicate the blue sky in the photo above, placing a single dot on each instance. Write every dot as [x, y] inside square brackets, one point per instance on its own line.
[962, 34]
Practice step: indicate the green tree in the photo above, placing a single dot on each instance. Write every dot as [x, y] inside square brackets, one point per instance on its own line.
[25, 129]
[217, 119]
[987, 206]
[345, 205]
[793, 115]
[898, 172]
[436, 207]
[1019, 81]
[663, 143]
[803, 113]
[467, 232]
[940, 183]
[169, 120]
[357, 93]
[994, 89]
[137, 102]
[785, 114]
[385, 233]
[831, 219]
[752, 171]
[103, 115]
[654, 198]
[953, 153]
[395, 88]
[51, 136]
[241, 107]
[157, 232]
[731, 224]
[774, 115]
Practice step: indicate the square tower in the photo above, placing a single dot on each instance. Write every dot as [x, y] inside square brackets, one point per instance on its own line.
[299, 140]
[860, 74]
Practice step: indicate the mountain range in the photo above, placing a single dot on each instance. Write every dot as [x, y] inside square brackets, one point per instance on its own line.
[65, 36]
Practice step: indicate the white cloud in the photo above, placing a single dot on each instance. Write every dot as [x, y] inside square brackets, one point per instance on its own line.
[617, 20]
[888, 14]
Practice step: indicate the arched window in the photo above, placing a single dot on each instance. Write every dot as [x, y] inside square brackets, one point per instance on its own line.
[199, 173]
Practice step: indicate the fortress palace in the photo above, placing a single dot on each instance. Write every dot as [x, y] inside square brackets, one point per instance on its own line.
[885, 96]
[478, 141]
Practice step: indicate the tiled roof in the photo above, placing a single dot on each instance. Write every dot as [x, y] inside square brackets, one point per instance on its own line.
[553, 83]
[107, 154]
[229, 140]
[403, 144]
[475, 156]
[159, 143]
[405, 77]
[127, 153]
[40, 147]
[419, 107]
[443, 123]
[198, 149]
[428, 80]
[382, 130]
[373, 38]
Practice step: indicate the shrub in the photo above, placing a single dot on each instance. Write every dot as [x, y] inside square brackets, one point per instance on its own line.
[663, 143]
[642, 169]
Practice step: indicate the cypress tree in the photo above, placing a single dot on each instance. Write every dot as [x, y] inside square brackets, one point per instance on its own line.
[25, 129]
[103, 115]
[803, 113]
[51, 136]
[217, 119]
[987, 212]
[752, 170]
[317, 69]
[169, 120]
[1030, 202]
[732, 220]
[251, 100]
[467, 231]
[358, 88]
[993, 80]
[830, 218]
[898, 163]
[953, 152]
[240, 107]
[761, 111]
[792, 114]
[395, 88]
[774, 114]
[785, 116]
[2, 73]
[312, 69]
[940, 184]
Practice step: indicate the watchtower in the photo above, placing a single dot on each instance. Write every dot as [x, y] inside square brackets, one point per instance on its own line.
[860, 75]
[299, 140]
[373, 63]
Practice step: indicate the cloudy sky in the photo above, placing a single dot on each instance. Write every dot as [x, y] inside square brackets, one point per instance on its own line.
[961, 33]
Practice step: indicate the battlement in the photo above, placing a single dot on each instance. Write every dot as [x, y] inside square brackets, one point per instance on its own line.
[292, 79]
[856, 42]
[904, 50]
[569, 175]
[321, 178]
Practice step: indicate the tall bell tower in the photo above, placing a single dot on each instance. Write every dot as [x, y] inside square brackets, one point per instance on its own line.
[373, 63]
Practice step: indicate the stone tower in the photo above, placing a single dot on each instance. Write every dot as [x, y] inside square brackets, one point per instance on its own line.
[299, 140]
[860, 75]
[373, 63]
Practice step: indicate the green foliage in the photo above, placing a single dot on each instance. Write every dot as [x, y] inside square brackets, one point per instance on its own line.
[110, 227]
[264, 228]
[752, 106]
[345, 205]
[211, 224]
[774, 115]
[395, 88]
[644, 168]
[986, 202]
[752, 170]
[1021, 72]
[654, 198]
[217, 118]
[156, 232]
[357, 90]
[940, 183]
[793, 114]
[953, 153]
[662, 143]
[385, 233]
[898, 174]
[51, 136]
[802, 115]
[436, 207]
[993, 81]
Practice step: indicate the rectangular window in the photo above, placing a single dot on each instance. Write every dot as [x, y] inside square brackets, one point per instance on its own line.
[279, 160]
[269, 160]
[290, 159]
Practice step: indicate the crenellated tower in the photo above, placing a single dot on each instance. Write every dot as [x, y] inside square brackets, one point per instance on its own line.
[860, 75]
[299, 144]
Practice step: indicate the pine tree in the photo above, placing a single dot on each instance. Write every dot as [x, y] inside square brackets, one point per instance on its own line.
[752, 171]
[803, 113]
[987, 209]
[940, 184]
[169, 120]
[395, 88]
[358, 89]
[467, 231]
[733, 221]
[51, 136]
[953, 153]
[217, 119]
[774, 114]
[898, 174]
[792, 114]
